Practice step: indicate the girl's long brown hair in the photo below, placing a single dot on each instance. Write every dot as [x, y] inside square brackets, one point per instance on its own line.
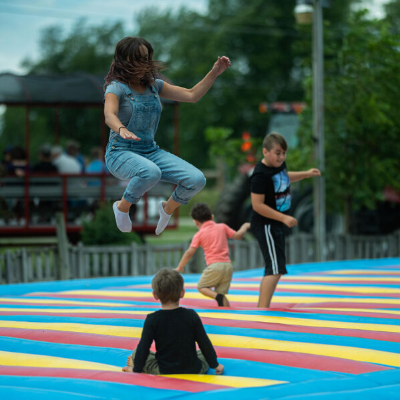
[130, 65]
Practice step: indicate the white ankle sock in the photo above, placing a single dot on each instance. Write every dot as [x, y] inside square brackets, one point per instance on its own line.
[164, 219]
[122, 219]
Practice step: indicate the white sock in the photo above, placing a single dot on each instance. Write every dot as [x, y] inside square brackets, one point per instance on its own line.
[122, 219]
[164, 219]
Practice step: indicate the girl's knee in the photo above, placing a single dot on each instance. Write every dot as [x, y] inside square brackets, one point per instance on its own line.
[199, 180]
[151, 174]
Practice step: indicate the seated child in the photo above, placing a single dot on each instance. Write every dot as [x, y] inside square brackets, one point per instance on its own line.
[213, 238]
[175, 331]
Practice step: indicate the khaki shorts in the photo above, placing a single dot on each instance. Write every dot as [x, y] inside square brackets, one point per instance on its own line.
[151, 365]
[217, 275]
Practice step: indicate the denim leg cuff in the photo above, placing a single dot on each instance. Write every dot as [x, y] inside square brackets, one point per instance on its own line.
[178, 200]
[130, 198]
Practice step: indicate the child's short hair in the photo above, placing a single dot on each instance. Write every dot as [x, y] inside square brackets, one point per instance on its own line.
[272, 139]
[167, 285]
[201, 212]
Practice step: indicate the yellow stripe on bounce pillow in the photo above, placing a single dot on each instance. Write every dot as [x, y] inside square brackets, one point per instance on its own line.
[361, 272]
[369, 290]
[229, 381]
[53, 302]
[320, 278]
[360, 310]
[34, 360]
[74, 311]
[241, 298]
[304, 322]
[345, 352]
[322, 299]
[109, 330]
[137, 294]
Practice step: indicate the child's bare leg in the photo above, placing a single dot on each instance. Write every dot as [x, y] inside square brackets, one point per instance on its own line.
[165, 209]
[267, 289]
[208, 292]
[170, 206]
[124, 205]
[212, 294]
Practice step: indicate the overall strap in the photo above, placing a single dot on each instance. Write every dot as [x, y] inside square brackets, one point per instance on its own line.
[124, 86]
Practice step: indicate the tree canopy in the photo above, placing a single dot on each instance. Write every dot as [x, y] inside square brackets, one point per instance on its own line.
[271, 61]
[362, 122]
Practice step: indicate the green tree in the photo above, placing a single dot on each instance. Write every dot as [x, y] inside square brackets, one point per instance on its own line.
[267, 64]
[361, 116]
[392, 11]
[260, 37]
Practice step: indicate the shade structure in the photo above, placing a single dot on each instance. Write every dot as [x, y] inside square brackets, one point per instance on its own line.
[78, 89]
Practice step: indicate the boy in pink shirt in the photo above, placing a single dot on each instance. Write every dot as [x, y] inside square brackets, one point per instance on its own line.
[213, 238]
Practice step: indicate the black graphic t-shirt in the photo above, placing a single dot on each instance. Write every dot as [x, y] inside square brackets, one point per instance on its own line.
[274, 183]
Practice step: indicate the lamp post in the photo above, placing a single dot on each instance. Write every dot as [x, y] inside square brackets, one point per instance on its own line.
[306, 9]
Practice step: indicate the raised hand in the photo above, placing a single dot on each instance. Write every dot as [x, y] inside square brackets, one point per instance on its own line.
[221, 65]
[313, 172]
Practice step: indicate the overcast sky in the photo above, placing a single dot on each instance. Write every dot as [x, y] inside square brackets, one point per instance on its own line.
[21, 21]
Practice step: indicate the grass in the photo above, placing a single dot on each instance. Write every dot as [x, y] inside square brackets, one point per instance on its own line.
[186, 228]
[209, 196]
[184, 233]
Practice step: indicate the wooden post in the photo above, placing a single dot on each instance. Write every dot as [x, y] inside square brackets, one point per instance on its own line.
[114, 264]
[24, 266]
[63, 256]
[237, 259]
[81, 265]
[292, 242]
[9, 266]
[134, 259]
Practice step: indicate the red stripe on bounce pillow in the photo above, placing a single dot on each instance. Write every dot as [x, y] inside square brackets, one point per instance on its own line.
[299, 360]
[154, 381]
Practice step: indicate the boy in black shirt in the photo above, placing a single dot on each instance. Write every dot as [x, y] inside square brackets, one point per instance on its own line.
[175, 331]
[270, 198]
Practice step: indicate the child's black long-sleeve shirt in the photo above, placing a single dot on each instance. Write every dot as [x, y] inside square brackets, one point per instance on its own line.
[175, 333]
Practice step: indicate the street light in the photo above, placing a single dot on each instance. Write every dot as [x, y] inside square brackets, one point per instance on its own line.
[304, 11]
[311, 10]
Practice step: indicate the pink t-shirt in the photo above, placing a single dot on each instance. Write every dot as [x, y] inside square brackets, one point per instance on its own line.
[213, 238]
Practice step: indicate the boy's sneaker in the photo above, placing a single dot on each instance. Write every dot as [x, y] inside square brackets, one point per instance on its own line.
[220, 299]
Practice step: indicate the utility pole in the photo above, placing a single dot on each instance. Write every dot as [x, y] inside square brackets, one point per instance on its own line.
[318, 134]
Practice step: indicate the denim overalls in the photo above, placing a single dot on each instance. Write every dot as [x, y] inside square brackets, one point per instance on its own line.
[142, 162]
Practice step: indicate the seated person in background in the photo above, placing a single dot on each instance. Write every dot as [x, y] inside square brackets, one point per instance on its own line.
[18, 164]
[72, 150]
[175, 331]
[6, 161]
[65, 163]
[45, 164]
[97, 164]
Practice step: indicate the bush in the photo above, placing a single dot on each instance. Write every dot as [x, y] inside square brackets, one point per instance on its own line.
[103, 230]
[209, 196]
